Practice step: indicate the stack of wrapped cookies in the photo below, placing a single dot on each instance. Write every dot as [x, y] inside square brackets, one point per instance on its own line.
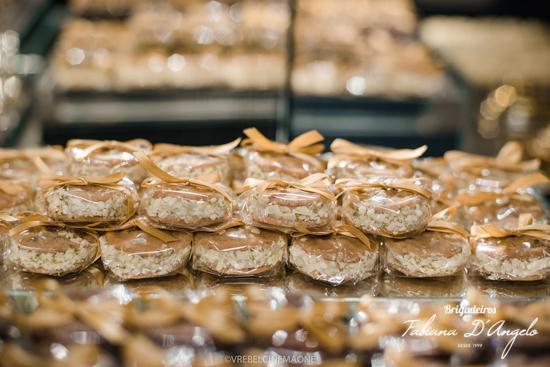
[256, 208]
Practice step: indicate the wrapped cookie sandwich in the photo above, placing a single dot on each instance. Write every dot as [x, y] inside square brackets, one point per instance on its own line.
[521, 253]
[288, 206]
[38, 245]
[16, 195]
[354, 161]
[195, 162]
[31, 163]
[99, 158]
[241, 251]
[488, 172]
[183, 203]
[94, 199]
[503, 206]
[441, 250]
[136, 250]
[345, 256]
[265, 159]
[389, 207]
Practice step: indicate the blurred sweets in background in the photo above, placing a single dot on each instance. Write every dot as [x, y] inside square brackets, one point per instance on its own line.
[175, 44]
[356, 47]
[361, 48]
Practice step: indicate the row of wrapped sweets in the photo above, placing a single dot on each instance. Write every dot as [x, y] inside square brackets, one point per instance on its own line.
[485, 188]
[116, 328]
[137, 250]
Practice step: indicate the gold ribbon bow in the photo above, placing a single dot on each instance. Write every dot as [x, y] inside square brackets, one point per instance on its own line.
[404, 184]
[89, 147]
[399, 156]
[508, 159]
[351, 231]
[142, 224]
[215, 150]
[525, 228]
[439, 223]
[164, 176]
[509, 191]
[316, 183]
[308, 143]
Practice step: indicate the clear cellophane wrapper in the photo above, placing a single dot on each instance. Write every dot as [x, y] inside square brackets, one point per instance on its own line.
[242, 251]
[397, 285]
[515, 258]
[387, 211]
[16, 195]
[185, 206]
[30, 164]
[295, 325]
[85, 200]
[344, 166]
[99, 158]
[136, 254]
[283, 207]
[277, 166]
[503, 206]
[504, 211]
[335, 259]
[192, 162]
[55, 250]
[427, 255]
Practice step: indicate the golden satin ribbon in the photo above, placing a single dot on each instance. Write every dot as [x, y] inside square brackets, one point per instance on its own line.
[508, 159]
[215, 150]
[509, 191]
[142, 224]
[35, 155]
[308, 143]
[404, 184]
[342, 229]
[524, 228]
[399, 156]
[316, 183]
[439, 223]
[164, 176]
[89, 147]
